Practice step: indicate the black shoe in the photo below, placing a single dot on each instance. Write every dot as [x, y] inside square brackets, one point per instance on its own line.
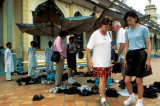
[158, 89]
[111, 92]
[90, 81]
[95, 89]
[157, 84]
[73, 90]
[65, 91]
[121, 81]
[76, 84]
[41, 97]
[85, 93]
[35, 98]
[122, 86]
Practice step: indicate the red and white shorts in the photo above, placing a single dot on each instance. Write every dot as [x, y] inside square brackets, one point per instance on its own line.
[102, 72]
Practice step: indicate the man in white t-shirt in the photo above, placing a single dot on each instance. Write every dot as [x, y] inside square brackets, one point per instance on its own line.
[120, 41]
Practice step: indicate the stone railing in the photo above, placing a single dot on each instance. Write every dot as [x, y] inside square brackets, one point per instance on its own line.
[40, 56]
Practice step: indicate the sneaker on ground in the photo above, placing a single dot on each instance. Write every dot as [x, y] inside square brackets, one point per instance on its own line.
[63, 87]
[130, 100]
[139, 103]
[105, 103]
[55, 90]
[51, 90]
[124, 93]
[70, 81]
[58, 86]
[73, 80]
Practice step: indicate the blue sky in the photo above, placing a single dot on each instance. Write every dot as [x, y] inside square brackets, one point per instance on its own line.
[139, 5]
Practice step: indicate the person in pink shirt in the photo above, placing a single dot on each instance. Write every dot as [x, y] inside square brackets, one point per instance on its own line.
[60, 47]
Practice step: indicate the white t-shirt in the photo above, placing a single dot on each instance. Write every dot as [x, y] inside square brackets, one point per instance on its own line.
[101, 46]
[120, 38]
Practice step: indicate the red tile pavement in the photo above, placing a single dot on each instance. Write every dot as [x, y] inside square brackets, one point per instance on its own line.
[14, 95]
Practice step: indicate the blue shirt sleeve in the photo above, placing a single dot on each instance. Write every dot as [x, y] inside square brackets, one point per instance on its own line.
[146, 32]
[126, 36]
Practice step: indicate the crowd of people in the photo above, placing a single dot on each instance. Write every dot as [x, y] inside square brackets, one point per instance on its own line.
[131, 45]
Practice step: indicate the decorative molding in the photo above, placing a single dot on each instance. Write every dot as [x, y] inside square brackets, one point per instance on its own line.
[56, 2]
[80, 10]
[40, 56]
[61, 8]
[36, 4]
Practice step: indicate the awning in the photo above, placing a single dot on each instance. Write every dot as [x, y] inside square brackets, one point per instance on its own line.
[44, 29]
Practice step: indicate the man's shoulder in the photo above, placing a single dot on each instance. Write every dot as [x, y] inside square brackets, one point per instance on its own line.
[122, 30]
[7, 50]
[29, 48]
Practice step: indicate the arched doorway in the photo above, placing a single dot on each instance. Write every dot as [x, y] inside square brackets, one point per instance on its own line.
[44, 13]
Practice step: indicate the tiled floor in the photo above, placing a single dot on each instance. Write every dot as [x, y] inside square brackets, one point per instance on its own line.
[14, 95]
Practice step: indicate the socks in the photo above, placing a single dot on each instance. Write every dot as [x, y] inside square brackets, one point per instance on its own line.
[132, 95]
[103, 100]
[139, 100]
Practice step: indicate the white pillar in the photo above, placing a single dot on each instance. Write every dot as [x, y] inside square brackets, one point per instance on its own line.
[9, 21]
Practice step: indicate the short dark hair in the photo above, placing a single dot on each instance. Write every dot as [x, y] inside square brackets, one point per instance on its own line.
[8, 43]
[132, 14]
[63, 33]
[106, 20]
[32, 42]
[50, 42]
[71, 38]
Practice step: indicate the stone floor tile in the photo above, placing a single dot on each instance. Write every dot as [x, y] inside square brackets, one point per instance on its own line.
[90, 100]
[25, 105]
[69, 98]
[18, 101]
[79, 102]
[58, 103]
[92, 104]
[69, 101]
[114, 103]
[81, 105]
[37, 103]
[69, 104]
[14, 104]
